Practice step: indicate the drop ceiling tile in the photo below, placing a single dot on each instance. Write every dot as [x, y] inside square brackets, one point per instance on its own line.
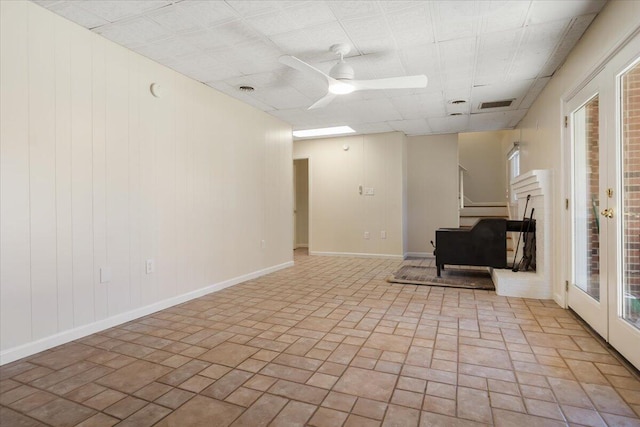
[477, 42]
[396, 5]
[321, 37]
[516, 117]
[282, 98]
[550, 10]
[508, 90]
[364, 29]
[455, 19]
[456, 54]
[425, 60]
[367, 128]
[168, 48]
[503, 15]
[134, 32]
[234, 32]
[449, 124]
[419, 106]
[252, 8]
[310, 13]
[411, 127]
[575, 31]
[496, 53]
[116, 10]
[275, 22]
[451, 108]
[259, 80]
[210, 73]
[203, 39]
[494, 121]
[208, 13]
[528, 66]
[295, 43]
[76, 14]
[412, 26]
[175, 20]
[533, 93]
[354, 9]
[254, 57]
[312, 88]
[374, 110]
[380, 67]
[544, 36]
[300, 116]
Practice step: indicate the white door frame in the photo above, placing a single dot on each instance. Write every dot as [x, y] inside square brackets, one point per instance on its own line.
[620, 334]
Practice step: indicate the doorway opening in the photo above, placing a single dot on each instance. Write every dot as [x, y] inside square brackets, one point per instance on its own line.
[300, 203]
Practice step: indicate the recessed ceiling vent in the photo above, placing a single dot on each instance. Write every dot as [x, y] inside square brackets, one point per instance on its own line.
[496, 104]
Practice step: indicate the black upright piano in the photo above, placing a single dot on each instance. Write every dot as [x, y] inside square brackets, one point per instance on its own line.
[484, 244]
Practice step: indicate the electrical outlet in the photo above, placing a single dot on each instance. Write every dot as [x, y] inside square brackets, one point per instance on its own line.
[383, 234]
[150, 266]
[105, 274]
[366, 235]
[263, 244]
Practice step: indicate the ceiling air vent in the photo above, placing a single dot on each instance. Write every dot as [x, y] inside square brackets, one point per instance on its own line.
[496, 104]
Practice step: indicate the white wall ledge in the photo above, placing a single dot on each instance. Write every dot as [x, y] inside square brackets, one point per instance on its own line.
[531, 284]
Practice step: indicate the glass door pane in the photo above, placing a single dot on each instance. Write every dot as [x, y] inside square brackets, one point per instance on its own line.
[586, 236]
[630, 132]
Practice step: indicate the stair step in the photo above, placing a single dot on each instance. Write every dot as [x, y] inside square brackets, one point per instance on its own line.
[484, 211]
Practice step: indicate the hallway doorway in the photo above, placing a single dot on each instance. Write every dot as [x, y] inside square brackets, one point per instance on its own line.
[300, 203]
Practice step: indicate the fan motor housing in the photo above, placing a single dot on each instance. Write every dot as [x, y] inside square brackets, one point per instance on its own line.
[342, 71]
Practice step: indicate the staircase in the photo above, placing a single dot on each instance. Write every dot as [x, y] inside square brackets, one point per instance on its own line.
[472, 212]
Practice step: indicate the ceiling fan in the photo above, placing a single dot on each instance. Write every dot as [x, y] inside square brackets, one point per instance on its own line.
[340, 79]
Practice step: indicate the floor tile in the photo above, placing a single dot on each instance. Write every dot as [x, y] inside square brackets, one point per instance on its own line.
[364, 383]
[202, 411]
[134, 376]
[294, 414]
[330, 342]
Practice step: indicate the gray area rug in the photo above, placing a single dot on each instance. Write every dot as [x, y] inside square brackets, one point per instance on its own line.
[451, 277]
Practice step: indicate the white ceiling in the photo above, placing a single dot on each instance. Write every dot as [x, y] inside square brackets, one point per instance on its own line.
[477, 51]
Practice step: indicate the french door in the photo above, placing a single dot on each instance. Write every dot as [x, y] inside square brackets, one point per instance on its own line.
[603, 126]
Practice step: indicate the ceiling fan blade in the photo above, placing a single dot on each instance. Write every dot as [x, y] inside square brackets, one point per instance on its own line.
[405, 82]
[297, 64]
[323, 102]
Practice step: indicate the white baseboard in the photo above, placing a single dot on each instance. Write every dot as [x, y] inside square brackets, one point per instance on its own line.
[357, 255]
[419, 254]
[15, 353]
[301, 245]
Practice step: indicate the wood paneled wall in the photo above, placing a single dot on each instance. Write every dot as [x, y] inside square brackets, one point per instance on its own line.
[97, 173]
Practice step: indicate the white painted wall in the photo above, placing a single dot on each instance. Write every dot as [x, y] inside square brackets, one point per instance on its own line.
[95, 172]
[432, 189]
[541, 129]
[480, 153]
[339, 215]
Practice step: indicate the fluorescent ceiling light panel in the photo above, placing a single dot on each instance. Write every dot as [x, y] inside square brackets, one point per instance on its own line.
[337, 130]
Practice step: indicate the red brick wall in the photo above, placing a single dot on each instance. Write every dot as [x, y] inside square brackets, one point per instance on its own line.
[593, 176]
[630, 86]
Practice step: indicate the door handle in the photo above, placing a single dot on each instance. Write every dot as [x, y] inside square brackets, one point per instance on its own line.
[607, 213]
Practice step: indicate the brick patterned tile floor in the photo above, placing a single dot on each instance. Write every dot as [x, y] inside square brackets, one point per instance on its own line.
[329, 342]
